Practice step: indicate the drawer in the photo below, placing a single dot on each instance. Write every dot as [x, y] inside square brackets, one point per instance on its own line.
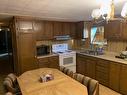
[103, 63]
[102, 69]
[101, 75]
[43, 60]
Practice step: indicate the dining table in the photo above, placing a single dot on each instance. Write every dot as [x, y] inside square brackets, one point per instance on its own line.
[60, 85]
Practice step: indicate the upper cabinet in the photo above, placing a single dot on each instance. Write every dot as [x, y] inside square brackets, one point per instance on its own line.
[116, 30]
[57, 28]
[48, 30]
[66, 28]
[73, 30]
[39, 29]
[113, 29]
[79, 30]
[43, 29]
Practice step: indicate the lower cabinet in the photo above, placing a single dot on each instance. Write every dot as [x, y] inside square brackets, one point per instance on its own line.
[108, 73]
[102, 71]
[114, 77]
[123, 80]
[50, 62]
[85, 66]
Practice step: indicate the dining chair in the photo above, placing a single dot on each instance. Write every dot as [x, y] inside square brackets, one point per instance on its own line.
[13, 78]
[93, 88]
[70, 73]
[9, 93]
[62, 68]
[86, 81]
[65, 70]
[9, 87]
[80, 78]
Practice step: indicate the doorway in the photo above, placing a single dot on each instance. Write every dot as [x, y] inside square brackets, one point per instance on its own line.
[6, 59]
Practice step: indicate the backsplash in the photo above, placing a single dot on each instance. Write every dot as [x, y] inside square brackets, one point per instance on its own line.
[116, 46]
[113, 46]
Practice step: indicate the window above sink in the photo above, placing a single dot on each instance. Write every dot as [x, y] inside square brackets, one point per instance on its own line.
[97, 35]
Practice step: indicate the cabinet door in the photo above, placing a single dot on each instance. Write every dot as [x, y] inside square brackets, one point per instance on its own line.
[79, 30]
[73, 30]
[102, 71]
[43, 62]
[114, 76]
[27, 51]
[123, 80]
[54, 62]
[124, 30]
[24, 23]
[90, 68]
[39, 30]
[57, 28]
[81, 65]
[66, 28]
[48, 30]
[113, 30]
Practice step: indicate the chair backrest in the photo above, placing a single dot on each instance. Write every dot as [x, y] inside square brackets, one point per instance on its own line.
[8, 85]
[80, 77]
[86, 81]
[70, 73]
[9, 93]
[65, 70]
[62, 68]
[13, 78]
[93, 88]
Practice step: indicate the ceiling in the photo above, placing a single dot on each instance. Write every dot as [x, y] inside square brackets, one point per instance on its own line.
[63, 10]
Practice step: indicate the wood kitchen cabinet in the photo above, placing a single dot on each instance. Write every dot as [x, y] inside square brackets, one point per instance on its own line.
[27, 51]
[85, 66]
[73, 30]
[79, 30]
[124, 30]
[48, 30]
[114, 76]
[113, 30]
[24, 43]
[50, 62]
[57, 28]
[54, 62]
[66, 28]
[39, 28]
[123, 80]
[81, 64]
[102, 71]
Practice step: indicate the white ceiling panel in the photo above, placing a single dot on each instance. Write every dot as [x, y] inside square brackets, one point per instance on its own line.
[69, 10]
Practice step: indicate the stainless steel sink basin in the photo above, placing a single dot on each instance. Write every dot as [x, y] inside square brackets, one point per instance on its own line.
[92, 52]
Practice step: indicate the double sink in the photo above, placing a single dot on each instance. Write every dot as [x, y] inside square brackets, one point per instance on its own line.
[92, 52]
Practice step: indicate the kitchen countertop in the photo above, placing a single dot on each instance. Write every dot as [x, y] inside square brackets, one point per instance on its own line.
[106, 56]
[48, 55]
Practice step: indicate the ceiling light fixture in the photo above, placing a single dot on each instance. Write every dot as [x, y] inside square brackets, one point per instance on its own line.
[106, 11]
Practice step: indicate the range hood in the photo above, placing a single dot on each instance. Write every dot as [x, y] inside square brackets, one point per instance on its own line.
[63, 37]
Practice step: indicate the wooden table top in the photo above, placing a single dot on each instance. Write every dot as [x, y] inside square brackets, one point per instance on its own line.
[61, 85]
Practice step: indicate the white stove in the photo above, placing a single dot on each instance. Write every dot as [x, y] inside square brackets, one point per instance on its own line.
[67, 58]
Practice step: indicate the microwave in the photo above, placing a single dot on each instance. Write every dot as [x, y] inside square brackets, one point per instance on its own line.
[43, 50]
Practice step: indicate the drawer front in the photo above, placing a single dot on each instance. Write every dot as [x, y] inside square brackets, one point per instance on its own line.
[102, 69]
[43, 60]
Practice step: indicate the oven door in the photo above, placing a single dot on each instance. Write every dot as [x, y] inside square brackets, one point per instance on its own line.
[67, 59]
